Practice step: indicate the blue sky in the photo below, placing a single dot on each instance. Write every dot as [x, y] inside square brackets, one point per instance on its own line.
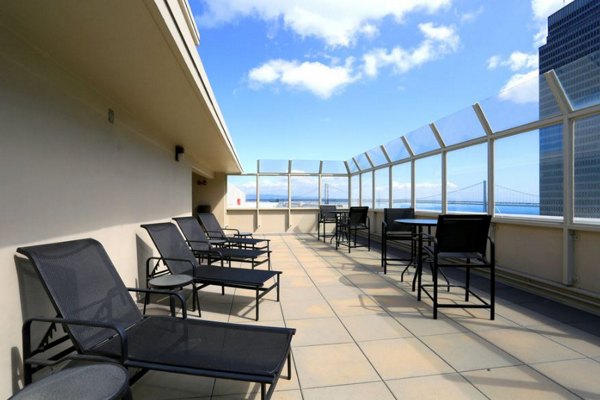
[318, 79]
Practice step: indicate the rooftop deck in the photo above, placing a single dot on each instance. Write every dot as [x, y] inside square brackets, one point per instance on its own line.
[364, 335]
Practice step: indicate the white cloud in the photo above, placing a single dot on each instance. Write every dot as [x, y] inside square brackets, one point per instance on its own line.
[320, 79]
[542, 9]
[515, 62]
[521, 88]
[337, 22]
[439, 40]
[470, 15]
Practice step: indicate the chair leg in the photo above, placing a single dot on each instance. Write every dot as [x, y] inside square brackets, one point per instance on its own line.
[435, 287]
[467, 283]
[369, 238]
[146, 301]
[493, 291]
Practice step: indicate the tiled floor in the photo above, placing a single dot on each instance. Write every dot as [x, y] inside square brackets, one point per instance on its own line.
[363, 335]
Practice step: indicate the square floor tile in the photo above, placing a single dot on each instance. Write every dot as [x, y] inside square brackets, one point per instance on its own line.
[402, 358]
[515, 383]
[329, 365]
[318, 331]
[435, 387]
[374, 327]
[374, 390]
[529, 347]
[580, 376]
[467, 351]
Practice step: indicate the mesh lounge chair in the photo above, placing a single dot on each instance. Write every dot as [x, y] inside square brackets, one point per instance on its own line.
[179, 259]
[214, 231]
[201, 246]
[461, 242]
[357, 220]
[326, 216]
[103, 322]
[394, 232]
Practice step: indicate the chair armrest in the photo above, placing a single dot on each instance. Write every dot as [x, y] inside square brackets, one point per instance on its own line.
[237, 231]
[118, 329]
[167, 293]
[215, 234]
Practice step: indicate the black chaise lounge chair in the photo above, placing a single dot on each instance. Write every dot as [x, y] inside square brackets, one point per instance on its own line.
[214, 231]
[201, 245]
[103, 322]
[179, 259]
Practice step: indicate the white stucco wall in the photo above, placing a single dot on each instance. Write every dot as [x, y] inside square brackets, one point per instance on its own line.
[66, 173]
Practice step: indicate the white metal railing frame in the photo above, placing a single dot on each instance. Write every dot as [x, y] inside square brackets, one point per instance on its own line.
[567, 117]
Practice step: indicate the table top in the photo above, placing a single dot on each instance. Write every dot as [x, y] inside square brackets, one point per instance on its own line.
[170, 281]
[417, 221]
[99, 381]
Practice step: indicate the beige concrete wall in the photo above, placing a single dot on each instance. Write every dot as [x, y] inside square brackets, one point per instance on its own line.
[273, 221]
[303, 221]
[244, 220]
[66, 173]
[587, 254]
[212, 192]
[537, 251]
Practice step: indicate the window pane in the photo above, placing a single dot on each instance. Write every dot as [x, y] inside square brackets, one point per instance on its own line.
[401, 185]
[334, 167]
[334, 190]
[366, 182]
[580, 80]
[305, 167]
[362, 161]
[355, 186]
[428, 181]
[273, 191]
[396, 150]
[466, 173]
[304, 191]
[377, 157]
[273, 166]
[460, 127]
[587, 168]
[528, 173]
[422, 140]
[382, 188]
[241, 191]
[526, 101]
[352, 166]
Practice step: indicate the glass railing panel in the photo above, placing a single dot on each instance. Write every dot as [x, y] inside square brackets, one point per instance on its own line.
[396, 149]
[401, 185]
[422, 140]
[587, 169]
[377, 157]
[334, 167]
[460, 127]
[366, 193]
[362, 161]
[334, 191]
[526, 99]
[466, 174]
[529, 173]
[382, 188]
[355, 190]
[428, 183]
[304, 191]
[352, 166]
[241, 191]
[580, 80]
[273, 191]
[305, 167]
[273, 166]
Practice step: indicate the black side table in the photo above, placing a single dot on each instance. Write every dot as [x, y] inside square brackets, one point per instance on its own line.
[172, 282]
[90, 382]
